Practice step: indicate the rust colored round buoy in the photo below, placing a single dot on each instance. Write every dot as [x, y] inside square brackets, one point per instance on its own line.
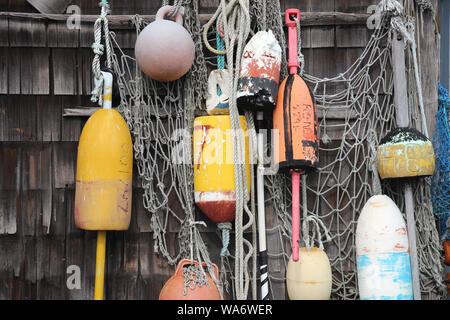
[174, 289]
[447, 252]
[164, 49]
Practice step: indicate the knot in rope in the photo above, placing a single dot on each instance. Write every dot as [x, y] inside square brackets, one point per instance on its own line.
[98, 48]
[225, 228]
[176, 7]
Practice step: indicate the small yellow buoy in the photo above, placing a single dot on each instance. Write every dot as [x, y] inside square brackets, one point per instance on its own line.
[310, 277]
[403, 153]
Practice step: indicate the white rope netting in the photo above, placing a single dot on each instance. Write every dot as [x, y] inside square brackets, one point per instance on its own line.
[160, 117]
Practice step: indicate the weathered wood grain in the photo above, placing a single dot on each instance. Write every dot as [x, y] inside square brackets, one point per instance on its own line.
[64, 63]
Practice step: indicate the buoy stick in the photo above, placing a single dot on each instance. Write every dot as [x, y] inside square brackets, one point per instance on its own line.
[293, 63]
[411, 227]
[101, 235]
[295, 175]
[402, 118]
[263, 261]
[100, 265]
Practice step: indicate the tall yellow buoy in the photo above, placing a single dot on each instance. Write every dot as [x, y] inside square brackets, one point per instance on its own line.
[104, 173]
[309, 278]
[104, 177]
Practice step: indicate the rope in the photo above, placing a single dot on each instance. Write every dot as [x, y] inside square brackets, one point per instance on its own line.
[101, 24]
[225, 227]
[235, 20]
[176, 7]
[301, 58]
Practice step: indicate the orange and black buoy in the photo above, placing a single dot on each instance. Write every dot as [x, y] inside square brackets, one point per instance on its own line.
[260, 73]
[295, 127]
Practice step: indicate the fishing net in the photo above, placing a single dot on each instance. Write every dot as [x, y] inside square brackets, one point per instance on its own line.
[440, 192]
[355, 111]
[347, 175]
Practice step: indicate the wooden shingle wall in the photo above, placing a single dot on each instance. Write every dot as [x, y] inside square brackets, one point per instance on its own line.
[46, 67]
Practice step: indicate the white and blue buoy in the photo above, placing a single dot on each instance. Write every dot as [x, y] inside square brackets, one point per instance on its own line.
[382, 251]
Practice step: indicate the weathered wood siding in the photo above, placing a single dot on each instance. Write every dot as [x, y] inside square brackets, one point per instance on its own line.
[45, 68]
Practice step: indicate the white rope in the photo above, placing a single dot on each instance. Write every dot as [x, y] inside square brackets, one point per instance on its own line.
[301, 58]
[98, 48]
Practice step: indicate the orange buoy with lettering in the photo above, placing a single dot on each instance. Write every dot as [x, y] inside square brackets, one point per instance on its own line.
[295, 126]
[176, 289]
[164, 49]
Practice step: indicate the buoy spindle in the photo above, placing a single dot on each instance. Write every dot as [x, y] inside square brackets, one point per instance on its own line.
[295, 175]
[293, 63]
[100, 266]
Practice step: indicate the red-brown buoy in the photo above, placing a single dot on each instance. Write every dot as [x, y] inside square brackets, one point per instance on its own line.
[164, 49]
[174, 289]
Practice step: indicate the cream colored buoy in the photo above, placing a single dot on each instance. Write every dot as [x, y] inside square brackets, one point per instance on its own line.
[310, 277]
[164, 49]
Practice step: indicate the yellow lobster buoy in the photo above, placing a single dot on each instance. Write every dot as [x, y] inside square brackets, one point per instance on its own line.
[309, 278]
[214, 183]
[104, 173]
[403, 153]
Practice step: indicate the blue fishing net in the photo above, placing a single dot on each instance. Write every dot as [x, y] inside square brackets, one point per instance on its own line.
[440, 185]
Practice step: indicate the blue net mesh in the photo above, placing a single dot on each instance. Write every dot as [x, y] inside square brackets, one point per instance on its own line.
[440, 185]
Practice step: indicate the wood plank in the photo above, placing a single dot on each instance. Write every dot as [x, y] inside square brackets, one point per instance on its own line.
[4, 70]
[48, 118]
[85, 73]
[71, 127]
[9, 188]
[74, 256]
[40, 71]
[64, 65]
[64, 168]
[352, 36]
[26, 72]
[4, 32]
[8, 209]
[67, 38]
[14, 61]
[322, 37]
[24, 32]
[124, 21]
[354, 6]
[50, 268]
